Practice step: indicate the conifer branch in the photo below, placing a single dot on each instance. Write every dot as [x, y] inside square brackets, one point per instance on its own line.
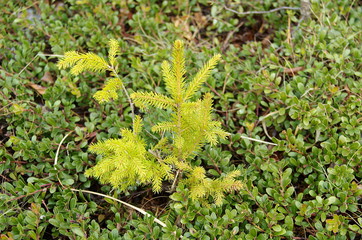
[105, 148]
[164, 126]
[81, 62]
[179, 144]
[113, 51]
[217, 131]
[161, 145]
[201, 76]
[137, 124]
[202, 187]
[109, 91]
[178, 69]
[69, 59]
[169, 78]
[146, 99]
[182, 165]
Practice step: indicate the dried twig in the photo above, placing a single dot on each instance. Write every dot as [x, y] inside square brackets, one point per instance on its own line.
[46, 186]
[230, 34]
[57, 153]
[261, 12]
[258, 140]
[124, 203]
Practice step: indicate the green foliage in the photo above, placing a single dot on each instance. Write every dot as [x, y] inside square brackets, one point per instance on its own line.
[293, 83]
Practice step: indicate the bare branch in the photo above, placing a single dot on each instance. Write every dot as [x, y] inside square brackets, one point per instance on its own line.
[262, 12]
[258, 140]
[127, 204]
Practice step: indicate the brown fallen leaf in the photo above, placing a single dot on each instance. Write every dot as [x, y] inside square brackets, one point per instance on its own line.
[183, 24]
[293, 71]
[200, 20]
[40, 89]
[266, 41]
[47, 77]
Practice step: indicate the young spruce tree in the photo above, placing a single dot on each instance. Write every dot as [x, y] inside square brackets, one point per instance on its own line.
[129, 161]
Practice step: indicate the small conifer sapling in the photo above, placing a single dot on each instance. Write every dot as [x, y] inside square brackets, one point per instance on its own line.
[129, 160]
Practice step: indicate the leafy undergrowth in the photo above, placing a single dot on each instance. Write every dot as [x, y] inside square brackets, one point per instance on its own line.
[296, 85]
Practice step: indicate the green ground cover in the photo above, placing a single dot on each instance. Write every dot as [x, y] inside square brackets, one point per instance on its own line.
[287, 89]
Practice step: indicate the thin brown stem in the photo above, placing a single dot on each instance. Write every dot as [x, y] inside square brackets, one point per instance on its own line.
[27, 195]
[261, 12]
[173, 187]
